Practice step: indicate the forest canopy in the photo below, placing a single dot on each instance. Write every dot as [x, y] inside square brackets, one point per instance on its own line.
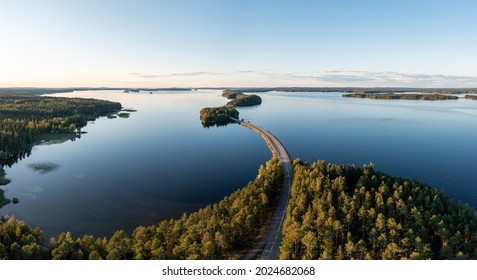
[218, 116]
[344, 212]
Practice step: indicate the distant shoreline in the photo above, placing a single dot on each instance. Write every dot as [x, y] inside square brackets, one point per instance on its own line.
[353, 90]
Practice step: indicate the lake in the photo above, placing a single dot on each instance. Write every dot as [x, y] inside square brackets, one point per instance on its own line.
[161, 162]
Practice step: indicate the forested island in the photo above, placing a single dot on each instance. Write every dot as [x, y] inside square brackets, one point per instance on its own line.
[24, 118]
[473, 97]
[405, 96]
[218, 116]
[223, 115]
[344, 212]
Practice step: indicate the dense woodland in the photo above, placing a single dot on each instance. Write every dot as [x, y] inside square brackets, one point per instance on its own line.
[220, 231]
[402, 96]
[344, 212]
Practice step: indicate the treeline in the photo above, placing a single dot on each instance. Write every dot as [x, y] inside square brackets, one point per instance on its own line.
[473, 97]
[402, 96]
[344, 212]
[24, 117]
[219, 231]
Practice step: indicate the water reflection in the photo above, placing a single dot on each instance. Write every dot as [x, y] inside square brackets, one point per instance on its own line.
[44, 167]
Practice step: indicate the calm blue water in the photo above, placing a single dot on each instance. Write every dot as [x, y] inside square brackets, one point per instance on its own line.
[431, 141]
[160, 162]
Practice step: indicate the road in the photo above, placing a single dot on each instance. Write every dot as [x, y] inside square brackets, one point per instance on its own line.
[270, 243]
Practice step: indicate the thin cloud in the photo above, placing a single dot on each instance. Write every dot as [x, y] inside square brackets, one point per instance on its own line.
[200, 73]
[368, 78]
[246, 71]
[327, 77]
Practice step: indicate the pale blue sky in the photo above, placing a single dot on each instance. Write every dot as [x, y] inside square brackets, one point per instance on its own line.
[238, 43]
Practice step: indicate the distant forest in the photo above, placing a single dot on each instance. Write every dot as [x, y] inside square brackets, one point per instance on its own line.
[403, 96]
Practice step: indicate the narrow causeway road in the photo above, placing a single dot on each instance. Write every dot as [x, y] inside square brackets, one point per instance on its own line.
[270, 243]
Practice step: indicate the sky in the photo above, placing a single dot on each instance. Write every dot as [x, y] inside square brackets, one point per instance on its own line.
[238, 43]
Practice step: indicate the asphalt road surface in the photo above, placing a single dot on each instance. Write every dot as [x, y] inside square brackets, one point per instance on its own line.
[270, 243]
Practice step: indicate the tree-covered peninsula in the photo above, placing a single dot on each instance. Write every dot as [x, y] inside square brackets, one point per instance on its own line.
[23, 118]
[344, 212]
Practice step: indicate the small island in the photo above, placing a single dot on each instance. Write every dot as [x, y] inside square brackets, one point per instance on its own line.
[218, 116]
[240, 99]
[402, 96]
[471, 97]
